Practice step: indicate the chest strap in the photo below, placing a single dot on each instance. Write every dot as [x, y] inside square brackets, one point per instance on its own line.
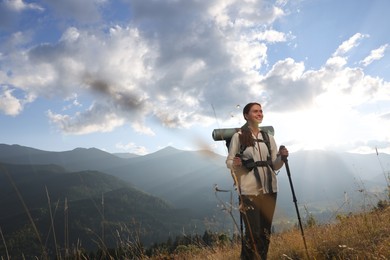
[250, 164]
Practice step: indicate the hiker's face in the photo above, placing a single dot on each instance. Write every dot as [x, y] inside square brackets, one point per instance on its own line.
[255, 114]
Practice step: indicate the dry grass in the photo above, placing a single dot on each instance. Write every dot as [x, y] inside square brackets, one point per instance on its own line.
[231, 252]
[360, 236]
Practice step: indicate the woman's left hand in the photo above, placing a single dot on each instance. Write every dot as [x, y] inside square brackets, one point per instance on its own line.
[283, 151]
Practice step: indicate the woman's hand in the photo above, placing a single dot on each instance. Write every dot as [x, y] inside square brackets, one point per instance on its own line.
[237, 160]
[283, 151]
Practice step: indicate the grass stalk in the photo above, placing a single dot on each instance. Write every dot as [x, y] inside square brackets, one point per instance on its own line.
[52, 224]
[43, 249]
[66, 229]
[5, 244]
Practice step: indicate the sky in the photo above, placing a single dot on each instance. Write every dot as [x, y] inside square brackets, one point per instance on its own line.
[135, 76]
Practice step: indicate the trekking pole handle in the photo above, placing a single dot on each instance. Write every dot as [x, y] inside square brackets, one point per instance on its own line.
[284, 158]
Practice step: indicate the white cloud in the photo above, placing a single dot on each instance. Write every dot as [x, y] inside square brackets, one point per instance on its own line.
[336, 62]
[271, 36]
[141, 128]
[132, 148]
[10, 11]
[97, 118]
[20, 5]
[321, 109]
[9, 104]
[175, 60]
[243, 13]
[376, 54]
[347, 45]
[129, 70]
[74, 102]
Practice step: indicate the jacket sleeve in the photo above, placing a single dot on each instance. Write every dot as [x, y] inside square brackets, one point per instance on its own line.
[234, 148]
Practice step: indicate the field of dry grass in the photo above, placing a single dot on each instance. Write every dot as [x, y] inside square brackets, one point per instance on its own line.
[364, 235]
[360, 236]
[357, 236]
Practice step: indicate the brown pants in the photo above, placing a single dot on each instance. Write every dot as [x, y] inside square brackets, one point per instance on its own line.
[257, 214]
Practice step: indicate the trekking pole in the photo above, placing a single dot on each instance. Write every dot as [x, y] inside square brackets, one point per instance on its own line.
[284, 159]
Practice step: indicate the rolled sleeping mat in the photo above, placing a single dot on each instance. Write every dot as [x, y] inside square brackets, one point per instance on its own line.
[227, 133]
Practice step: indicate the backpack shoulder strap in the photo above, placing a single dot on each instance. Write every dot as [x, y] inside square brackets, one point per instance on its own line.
[266, 140]
[227, 141]
[242, 147]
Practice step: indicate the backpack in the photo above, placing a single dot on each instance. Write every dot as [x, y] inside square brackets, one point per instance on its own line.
[265, 140]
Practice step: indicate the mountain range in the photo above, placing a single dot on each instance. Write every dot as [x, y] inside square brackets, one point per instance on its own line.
[165, 193]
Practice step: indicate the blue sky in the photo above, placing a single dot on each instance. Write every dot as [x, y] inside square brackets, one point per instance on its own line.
[139, 75]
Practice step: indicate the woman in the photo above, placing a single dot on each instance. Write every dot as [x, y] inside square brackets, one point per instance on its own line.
[253, 167]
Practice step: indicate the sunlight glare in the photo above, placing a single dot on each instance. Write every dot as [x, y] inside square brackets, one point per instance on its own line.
[317, 128]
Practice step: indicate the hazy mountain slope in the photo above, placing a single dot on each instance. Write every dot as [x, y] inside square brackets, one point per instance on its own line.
[74, 160]
[373, 167]
[319, 174]
[325, 183]
[91, 198]
[186, 179]
[171, 174]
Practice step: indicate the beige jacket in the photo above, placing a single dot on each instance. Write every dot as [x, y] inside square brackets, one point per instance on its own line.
[246, 179]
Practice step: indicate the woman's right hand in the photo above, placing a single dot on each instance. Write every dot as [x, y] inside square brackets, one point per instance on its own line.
[237, 161]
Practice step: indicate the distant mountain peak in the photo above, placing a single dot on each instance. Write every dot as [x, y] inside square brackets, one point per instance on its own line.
[166, 151]
[170, 149]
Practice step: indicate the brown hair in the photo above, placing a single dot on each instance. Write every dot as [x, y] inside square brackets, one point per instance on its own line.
[246, 138]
